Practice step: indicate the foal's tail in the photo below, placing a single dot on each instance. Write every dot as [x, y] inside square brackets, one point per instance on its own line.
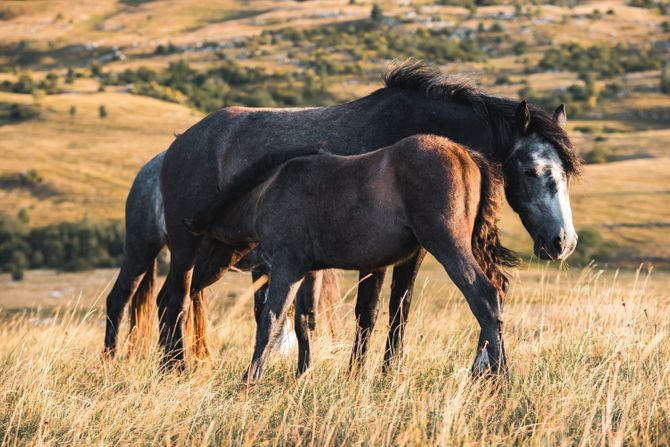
[486, 245]
[143, 312]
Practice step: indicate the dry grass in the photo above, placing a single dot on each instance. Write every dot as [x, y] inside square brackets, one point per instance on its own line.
[589, 362]
[87, 162]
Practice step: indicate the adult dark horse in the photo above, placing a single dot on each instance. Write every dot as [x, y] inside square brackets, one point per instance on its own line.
[146, 236]
[416, 99]
[373, 210]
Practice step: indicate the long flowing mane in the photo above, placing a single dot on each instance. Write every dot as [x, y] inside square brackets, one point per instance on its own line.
[495, 110]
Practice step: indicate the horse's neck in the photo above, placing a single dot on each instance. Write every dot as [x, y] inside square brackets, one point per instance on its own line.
[390, 115]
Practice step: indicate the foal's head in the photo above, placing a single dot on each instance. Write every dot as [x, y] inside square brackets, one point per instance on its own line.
[537, 176]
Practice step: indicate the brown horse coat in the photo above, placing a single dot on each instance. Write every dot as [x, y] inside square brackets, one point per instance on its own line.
[365, 212]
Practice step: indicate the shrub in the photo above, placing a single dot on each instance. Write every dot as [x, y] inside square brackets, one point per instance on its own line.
[66, 246]
[31, 178]
[604, 60]
[25, 84]
[17, 274]
[102, 111]
[520, 47]
[599, 154]
[665, 79]
[592, 247]
[376, 14]
[22, 112]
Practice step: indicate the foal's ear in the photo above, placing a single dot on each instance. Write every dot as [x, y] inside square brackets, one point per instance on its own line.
[522, 117]
[560, 116]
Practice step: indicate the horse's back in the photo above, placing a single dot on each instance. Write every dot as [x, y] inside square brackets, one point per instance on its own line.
[145, 221]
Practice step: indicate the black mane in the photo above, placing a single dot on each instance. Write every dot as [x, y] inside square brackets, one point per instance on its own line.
[496, 110]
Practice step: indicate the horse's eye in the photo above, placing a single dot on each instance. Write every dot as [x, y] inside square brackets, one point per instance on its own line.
[530, 173]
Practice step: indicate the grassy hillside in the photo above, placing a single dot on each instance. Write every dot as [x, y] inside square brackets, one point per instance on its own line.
[87, 163]
[125, 56]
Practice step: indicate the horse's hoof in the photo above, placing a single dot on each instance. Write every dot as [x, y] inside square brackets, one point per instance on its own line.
[482, 364]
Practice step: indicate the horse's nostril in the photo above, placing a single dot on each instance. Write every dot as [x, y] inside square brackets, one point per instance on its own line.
[558, 244]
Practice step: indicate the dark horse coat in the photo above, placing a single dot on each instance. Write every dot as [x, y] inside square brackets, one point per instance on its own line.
[365, 212]
[417, 99]
[146, 236]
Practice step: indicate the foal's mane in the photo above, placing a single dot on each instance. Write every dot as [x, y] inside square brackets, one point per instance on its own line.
[497, 111]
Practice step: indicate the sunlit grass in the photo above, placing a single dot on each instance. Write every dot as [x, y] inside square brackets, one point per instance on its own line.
[589, 363]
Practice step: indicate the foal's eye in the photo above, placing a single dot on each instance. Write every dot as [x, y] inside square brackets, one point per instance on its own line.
[530, 173]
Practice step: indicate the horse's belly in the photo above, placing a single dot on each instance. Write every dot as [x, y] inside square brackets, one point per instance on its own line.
[380, 249]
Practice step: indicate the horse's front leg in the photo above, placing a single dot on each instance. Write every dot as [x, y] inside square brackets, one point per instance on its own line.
[404, 276]
[367, 308]
[486, 305]
[284, 284]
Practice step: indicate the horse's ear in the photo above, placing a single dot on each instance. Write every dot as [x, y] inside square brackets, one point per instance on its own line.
[522, 117]
[560, 116]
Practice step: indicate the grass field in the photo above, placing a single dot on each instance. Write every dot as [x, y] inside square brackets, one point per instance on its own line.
[588, 351]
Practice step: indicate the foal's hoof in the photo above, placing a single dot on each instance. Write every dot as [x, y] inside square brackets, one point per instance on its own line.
[482, 365]
[485, 367]
[247, 384]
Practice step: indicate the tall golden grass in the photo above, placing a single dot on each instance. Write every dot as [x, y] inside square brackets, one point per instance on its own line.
[589, 362]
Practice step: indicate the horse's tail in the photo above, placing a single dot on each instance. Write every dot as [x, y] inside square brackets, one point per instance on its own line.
[487, 248]
[329, 298]
[196, 327]
[143, 311]
[245, 181]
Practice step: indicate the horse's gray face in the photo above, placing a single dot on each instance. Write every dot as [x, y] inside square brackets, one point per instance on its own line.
[536, 186]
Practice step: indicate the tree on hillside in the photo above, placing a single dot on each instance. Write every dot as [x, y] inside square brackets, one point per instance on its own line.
[377, 15]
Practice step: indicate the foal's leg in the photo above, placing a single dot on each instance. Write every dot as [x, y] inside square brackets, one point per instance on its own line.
[306, 302]
[402, 287]
[284, 341]
[260, 295]
[286, 280]
[483, 299]
[367, 307]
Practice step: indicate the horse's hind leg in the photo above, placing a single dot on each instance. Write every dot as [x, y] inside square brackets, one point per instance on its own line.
[367, 307]
[174, 299]
[402, 287]
[134, 266]
[306, 303]
[286, 279]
